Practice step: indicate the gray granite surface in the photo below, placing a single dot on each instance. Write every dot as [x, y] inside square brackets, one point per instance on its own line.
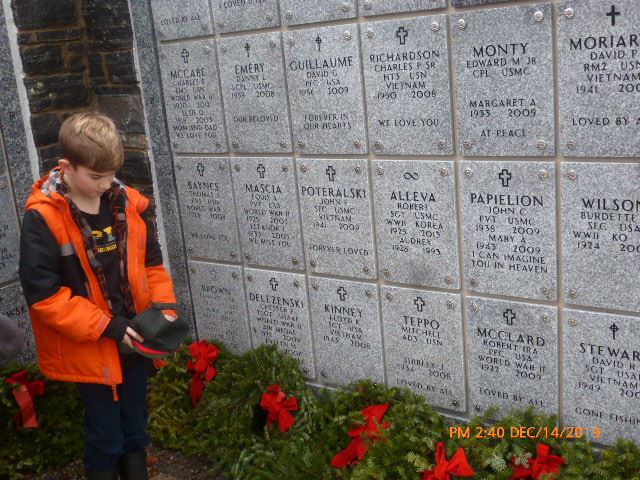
[208, 211]
[601, 234]
[325, 90]
[253, 86]
[336, 216]
[600, 370]
[423, 344]
[296, 12]
[13, 305]
[9, 238]
[267, 212]
[512, 357]
[279, 314]
[181, 18]
[239, 15]
[379, 7]
[415, 212]
[509, 226]
[192, 97]
[219, 304]
[406, 71]
[598, 78]
[467, 3]
[346, 330]
[504, 81]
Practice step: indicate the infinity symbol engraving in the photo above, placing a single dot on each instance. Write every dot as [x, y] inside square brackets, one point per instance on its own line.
[411, 176]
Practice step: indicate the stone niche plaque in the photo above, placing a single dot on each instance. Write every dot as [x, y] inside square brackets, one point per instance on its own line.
[279, 314]
[267, 212]
[379, 7]
[601, 234]
[417, 232]
[219, 304]
[406, 71]
[192, 97]
[208, 212]
[325, 89]
[238, 15]
[512, 355]
[599, 84]
[346, 330]
[181, 18]
[295, 12]
[423, 344]
[336, 216]
[509, 225]
[253, 84]
[505, 93]
[601, 370]
[13, 305]
[9, 240]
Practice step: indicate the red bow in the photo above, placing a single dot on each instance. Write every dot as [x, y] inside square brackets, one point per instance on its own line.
[543, 463]
[444, 468]
[357, 448]
[24, 396]
[275, 402]
[203, 355]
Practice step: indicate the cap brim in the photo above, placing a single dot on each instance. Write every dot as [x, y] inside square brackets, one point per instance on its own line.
[148, 352]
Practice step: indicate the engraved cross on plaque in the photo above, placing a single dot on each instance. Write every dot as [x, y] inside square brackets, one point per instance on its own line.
[509, 315]
[402, 34]
[419, 303]
[331, 173]
[318, 41]
[247, 47]
[261, 170]
[274, 284]
[505, 176]
[613, 14]
[614, 328]
[200, 169]
[342, 293]
[185, 55]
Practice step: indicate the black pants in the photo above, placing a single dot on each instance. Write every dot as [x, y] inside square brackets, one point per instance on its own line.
[115, 427]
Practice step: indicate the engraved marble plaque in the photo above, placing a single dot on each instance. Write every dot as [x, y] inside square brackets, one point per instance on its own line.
[253, 85]
[601, 234]
[346, 330]
[14, 306]
[295, 12]
[9, 239]
[325, 90]
[192, 97]
[238, 15]
[336, 216]
[208, 212]
[279, 314]
[267, 212]
[379, 7]
[601, 371]
[406, 71]
[599, 84]
[181, 18]
[423, 344]
[504, 70]
[512, 355]
[467, 3]
[509, 226]
[219, 304]
[417, 231]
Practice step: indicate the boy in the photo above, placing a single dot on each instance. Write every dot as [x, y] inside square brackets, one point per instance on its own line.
[89, 262]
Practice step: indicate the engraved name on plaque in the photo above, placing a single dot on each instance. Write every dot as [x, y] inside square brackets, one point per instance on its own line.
[9, 243]
[181, 18]
[239, 15]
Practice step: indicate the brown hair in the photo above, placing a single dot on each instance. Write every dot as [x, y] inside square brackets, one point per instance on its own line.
[91, 140]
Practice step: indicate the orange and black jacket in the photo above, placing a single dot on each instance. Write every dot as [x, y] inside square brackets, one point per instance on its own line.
[68, 308]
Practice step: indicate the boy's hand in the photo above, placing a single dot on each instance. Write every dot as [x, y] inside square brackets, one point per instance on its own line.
[131, 334]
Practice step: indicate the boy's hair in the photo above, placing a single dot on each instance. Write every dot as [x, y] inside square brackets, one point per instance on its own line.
[91, 140]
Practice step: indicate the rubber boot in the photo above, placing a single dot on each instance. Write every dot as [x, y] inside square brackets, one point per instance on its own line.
[101, 474]
[133, 466]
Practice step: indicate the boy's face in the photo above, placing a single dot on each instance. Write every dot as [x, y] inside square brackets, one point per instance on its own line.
[85, 182]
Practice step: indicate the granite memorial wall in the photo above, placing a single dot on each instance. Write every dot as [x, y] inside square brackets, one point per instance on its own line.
[439, 196]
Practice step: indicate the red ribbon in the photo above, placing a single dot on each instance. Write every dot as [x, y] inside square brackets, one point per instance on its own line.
[275, 401]
[358, 448]
[203, 354]
[444, 468]
[543, 463]
[24, 395]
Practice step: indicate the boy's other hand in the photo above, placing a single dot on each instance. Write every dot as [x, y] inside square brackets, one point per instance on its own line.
[129, 335]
